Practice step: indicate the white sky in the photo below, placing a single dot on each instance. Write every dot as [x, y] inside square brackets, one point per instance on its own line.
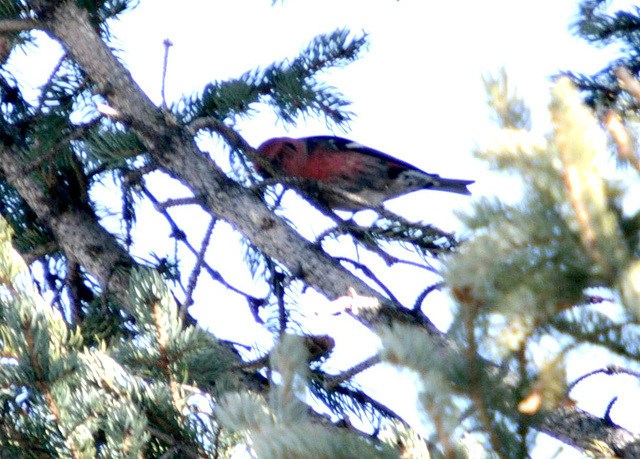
[417, 94]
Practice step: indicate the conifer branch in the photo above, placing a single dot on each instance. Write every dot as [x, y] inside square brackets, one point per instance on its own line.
[608, 370]
[330, 383]
[197, 268]
[180, 235]
[365, 400]
[19, 25]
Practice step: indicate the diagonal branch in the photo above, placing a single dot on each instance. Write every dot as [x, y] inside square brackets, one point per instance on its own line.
[18, 25]
[77, 231]
[172, 147]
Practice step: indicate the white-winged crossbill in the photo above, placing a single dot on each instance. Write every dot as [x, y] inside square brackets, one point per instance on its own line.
[354, 177]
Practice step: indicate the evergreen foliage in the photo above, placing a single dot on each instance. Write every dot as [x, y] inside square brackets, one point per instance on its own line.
[101, 358]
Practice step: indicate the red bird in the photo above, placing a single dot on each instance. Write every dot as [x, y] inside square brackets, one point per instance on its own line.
[358, 177]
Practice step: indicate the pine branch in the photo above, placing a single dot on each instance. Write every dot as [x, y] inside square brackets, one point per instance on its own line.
[19, 25]
[330, 383]
[289, 87]
[180, 235]
[78, 233]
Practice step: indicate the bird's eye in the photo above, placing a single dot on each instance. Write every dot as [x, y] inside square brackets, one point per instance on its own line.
[290, 145]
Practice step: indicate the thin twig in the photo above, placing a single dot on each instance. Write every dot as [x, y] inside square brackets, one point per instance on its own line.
[607, 413]
[351, 229]
[197, 268]
[367, 272]
[331, 382]
[179, 202]
[417, 306]
[175, 229]
[278, 290]
[230, 135]
[130, 175]
[167, 44]
[47, 85]
[236, 142]
[608, 370]
[392, 216]
[312, 190]
[18, 25]
[362, 398]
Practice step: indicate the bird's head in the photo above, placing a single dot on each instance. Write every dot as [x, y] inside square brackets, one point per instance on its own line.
[282, 154]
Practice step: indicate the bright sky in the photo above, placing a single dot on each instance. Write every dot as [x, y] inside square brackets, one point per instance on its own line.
[417, 94]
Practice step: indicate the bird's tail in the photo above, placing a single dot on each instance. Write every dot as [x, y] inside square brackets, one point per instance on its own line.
[451, 185]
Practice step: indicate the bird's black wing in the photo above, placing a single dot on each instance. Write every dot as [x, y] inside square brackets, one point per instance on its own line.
[342, 144]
